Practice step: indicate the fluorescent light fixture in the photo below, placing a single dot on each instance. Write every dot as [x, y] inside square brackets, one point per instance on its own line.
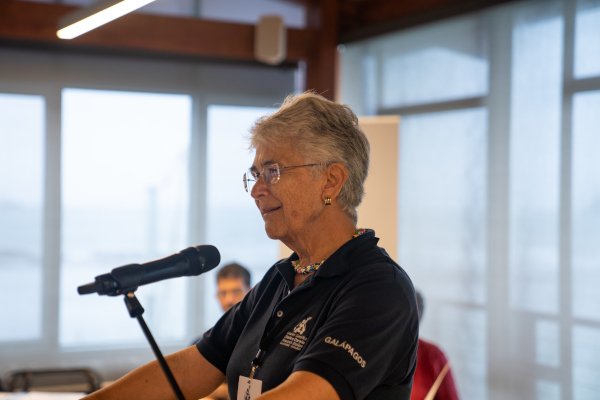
[86, 19]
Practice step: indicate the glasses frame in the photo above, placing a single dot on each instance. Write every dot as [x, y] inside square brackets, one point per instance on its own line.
[254, 175]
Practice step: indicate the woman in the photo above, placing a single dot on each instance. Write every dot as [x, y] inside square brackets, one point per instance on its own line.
[337, 319]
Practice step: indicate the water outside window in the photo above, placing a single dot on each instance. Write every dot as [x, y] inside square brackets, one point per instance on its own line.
[21, 206]
[124, 200]
[234, 223]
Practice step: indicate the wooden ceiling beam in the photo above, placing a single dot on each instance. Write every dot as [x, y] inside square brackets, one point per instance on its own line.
[321, 65]
[363, 19]
[329, 22]
[29, 23]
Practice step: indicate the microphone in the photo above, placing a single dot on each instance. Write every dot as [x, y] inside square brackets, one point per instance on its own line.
[188, 262]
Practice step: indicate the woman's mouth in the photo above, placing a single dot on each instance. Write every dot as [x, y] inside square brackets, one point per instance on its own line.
[267, 211]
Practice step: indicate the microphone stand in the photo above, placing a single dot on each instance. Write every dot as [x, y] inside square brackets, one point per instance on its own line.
[135, 311]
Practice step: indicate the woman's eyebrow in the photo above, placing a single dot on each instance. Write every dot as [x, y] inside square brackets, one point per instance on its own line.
[264, 163]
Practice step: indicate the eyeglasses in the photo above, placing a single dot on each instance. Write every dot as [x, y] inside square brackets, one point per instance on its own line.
[270, 174]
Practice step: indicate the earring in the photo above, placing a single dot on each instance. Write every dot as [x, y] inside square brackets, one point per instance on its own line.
[327, 201]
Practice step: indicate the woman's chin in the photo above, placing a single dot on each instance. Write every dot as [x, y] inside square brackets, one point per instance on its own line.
[271, 232]
[274, 232]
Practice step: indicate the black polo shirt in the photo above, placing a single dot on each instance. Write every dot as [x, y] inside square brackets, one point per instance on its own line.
[354, 323]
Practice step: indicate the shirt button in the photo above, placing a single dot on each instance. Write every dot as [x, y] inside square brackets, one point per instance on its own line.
[279, 314]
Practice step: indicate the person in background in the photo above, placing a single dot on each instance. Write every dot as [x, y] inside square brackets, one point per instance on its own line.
[433, 377]
[335, 320]
[233, 282]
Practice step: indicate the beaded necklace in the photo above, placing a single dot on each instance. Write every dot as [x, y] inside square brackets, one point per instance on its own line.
[315, 266]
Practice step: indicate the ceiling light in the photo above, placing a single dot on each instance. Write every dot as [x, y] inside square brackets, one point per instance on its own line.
[86, 19]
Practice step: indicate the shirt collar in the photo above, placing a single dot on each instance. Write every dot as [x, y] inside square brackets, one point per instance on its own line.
[339, 263]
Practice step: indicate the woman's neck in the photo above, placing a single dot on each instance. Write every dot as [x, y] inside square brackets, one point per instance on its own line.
[318, 245]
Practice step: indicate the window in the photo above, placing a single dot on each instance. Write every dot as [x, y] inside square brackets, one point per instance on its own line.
[125, 174]
[585, 210]
[104, 162]
[442, 161]
[443, 63]
[586, 205]
[587, 40]
[443, 231]
[535, 160]
[499, 209]
[234, 224]
[21, 215]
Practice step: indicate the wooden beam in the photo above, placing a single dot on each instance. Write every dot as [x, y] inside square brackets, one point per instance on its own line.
[330, 22]
[34, 24]
[321, 65]
[365, 19]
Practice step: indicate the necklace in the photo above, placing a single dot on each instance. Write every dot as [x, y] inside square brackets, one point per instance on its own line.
[315, 266]
[307, 269]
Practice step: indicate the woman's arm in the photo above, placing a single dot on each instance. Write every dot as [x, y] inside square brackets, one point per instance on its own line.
[301, 385]
[195, 376]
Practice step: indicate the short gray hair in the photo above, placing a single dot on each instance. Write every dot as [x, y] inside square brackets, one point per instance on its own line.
[324, 132]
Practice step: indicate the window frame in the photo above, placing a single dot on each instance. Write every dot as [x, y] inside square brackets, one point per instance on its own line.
[46, 74]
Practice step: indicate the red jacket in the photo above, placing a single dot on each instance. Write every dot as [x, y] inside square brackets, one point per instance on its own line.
[430, 363]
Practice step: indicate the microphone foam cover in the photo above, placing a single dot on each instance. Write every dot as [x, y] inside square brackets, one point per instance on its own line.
[210, 255]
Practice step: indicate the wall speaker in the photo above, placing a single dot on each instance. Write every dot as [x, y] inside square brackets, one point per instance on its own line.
[270, 44]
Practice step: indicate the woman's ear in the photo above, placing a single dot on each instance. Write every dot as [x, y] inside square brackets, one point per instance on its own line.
[336, 175]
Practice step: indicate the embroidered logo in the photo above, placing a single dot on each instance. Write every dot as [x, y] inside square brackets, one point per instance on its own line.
[348, 347]
[295, 339]
[301, 327]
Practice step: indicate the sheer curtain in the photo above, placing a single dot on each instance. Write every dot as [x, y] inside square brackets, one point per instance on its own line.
[499, 216]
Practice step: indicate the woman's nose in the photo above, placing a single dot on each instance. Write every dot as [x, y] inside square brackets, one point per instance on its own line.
[259, 188]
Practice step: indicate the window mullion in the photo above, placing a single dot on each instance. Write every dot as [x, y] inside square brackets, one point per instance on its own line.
[499, 115]
[565, 273]
[52, 220]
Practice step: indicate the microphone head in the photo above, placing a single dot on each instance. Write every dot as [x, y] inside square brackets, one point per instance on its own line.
[212, 257]
[205, 258]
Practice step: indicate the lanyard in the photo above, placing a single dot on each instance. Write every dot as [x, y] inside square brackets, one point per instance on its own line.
[267, 337]
[258, 359]
[256, 363]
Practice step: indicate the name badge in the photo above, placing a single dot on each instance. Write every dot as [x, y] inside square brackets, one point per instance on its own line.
[248, 389]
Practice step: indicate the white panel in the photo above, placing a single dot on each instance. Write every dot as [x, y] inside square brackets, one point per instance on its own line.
[379, 209]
